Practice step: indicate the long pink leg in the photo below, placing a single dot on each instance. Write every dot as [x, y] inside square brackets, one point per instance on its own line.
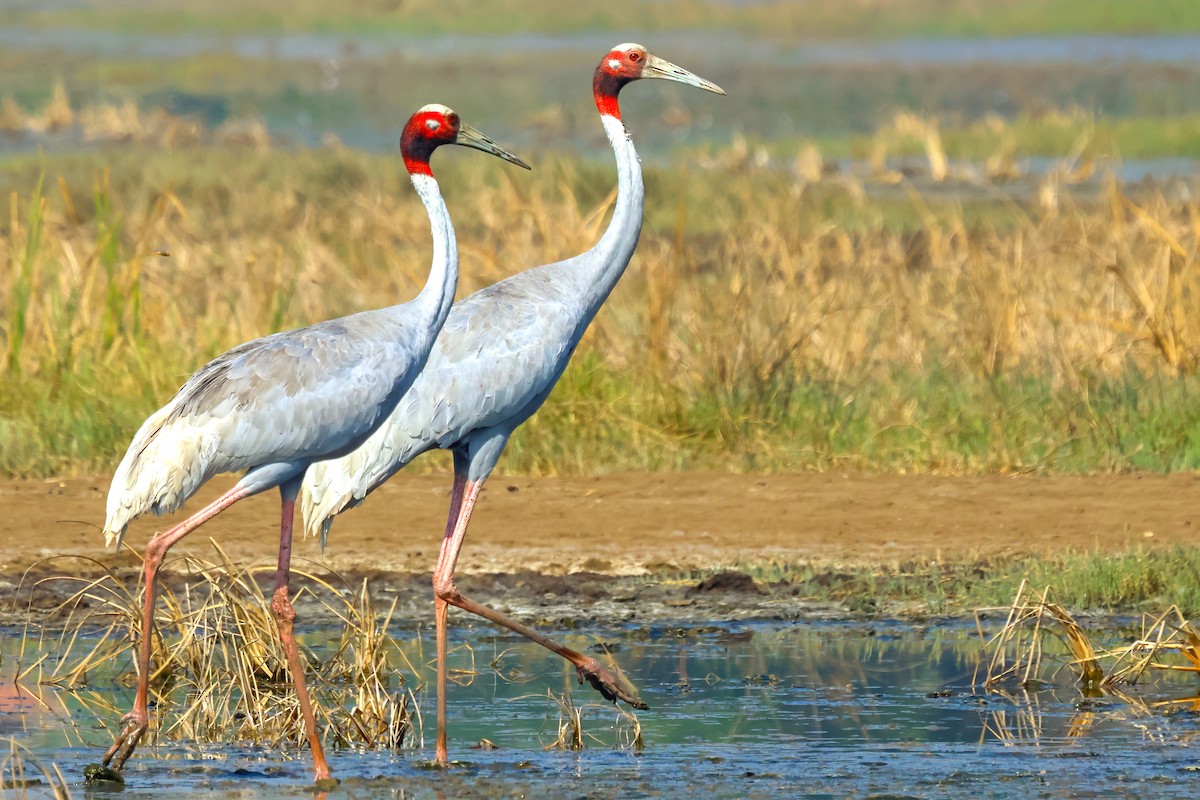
[461, 506]
[285, 617]
[137, 721]
[440, 612]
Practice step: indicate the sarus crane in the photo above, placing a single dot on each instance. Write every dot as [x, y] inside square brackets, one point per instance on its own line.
[495, 362]
[276, 405]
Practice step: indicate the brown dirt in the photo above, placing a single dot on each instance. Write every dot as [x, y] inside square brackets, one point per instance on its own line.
[629, 523]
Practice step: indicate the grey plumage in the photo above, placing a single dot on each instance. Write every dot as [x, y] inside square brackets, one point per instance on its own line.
[499, 355]
[494, 363]
[275, 405]
[282, 401]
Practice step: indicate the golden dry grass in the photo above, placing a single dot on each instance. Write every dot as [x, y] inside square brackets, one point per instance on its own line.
[772, 318]
[570, 732]
[1040, 637]
[219, 673]
[22, 776]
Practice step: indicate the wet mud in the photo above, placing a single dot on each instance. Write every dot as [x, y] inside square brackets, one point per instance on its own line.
[622, 548]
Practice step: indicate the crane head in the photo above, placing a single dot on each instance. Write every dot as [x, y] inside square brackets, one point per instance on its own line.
[630, 62]
[435, 125]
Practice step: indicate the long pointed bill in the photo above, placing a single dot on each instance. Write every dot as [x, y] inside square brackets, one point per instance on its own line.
[470, 137]
[656, 67]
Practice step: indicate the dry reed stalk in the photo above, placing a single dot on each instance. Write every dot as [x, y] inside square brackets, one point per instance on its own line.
[1163, 290]
[22, 776]
[809, 165]
[1163, 635]
[625, 732]
[220, 673]
[570, 723]
[1018, 651]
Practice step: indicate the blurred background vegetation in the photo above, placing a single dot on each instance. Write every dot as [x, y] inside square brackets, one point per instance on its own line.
[926, 235]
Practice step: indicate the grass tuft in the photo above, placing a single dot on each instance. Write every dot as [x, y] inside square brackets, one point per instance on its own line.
[773, 319]
[219, 671]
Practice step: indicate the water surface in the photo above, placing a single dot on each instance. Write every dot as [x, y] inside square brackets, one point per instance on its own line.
[844, 710]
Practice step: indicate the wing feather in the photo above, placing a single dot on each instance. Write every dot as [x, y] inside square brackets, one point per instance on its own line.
[297, 395]
[493, 364]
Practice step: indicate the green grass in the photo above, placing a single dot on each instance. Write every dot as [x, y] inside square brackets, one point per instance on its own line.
[1111, 583]
[758, 329]
[932, 421]
[603, 419]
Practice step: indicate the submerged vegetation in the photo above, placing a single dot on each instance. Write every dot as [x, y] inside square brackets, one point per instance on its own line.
[777, 316]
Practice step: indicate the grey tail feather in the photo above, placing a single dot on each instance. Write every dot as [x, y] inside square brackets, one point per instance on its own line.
[113, 539]
[326, 525]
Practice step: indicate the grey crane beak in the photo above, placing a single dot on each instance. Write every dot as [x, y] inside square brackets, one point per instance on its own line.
[470, 137]
[656, 67]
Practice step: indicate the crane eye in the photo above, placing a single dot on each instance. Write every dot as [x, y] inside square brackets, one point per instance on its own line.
[432, 124]
[635, 57]
[453, 120]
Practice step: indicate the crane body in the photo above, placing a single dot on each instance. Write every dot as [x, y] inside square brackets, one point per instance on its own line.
[274, 406]
[494, 363]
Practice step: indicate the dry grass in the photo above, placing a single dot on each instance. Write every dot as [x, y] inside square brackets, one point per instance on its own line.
[1040, 639]
[219, 671]
[771, 318]
[624, 733]
[219, 674]
[1019, 658]
[23, 777]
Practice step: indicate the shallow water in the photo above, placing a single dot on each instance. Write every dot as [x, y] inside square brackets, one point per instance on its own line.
[828, 710]
[293, 46]
[307, 87]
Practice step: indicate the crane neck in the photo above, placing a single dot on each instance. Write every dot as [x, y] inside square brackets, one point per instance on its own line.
[437, 295]
[610, 256]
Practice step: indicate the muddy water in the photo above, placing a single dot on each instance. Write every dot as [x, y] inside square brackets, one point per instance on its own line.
[736, 711]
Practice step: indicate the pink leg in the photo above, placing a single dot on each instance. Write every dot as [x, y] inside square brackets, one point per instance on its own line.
[137, 721]
[461, 506]
[285, 617]
[440, 612]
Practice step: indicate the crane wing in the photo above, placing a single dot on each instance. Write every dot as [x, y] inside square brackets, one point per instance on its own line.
[311, 392]
[493, 364]
[300, 393]
[497, 360]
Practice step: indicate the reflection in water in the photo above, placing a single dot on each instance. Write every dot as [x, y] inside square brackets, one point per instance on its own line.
[843, 710]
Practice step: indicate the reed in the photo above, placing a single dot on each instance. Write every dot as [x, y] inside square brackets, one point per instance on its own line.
[570, 733]
[773, 319]
[1040, 638]
[22, 776]
[219, 671]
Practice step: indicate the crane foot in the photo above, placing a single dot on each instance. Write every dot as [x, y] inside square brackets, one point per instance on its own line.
[134, 725]
[98, 775]
[612, 687]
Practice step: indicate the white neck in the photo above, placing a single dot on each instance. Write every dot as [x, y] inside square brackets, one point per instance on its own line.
[607, 260]
[438, 294]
